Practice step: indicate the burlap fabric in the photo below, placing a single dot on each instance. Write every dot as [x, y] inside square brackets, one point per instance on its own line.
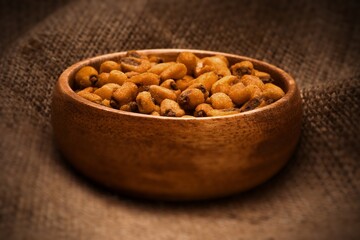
[316, 196]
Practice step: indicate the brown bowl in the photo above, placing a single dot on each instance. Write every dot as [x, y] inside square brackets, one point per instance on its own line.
[176, 158]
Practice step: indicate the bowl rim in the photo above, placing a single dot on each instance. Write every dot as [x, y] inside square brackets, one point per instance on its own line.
[63, 84]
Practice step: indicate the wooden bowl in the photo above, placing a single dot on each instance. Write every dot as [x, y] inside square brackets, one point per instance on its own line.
[176, 158]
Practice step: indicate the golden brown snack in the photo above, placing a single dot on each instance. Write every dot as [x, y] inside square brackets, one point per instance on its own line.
[189, 60]
[129, 107]
[272, 91]
[125, 94]
[155, 59]
[251, 104]
[171, 108]
[155, 113]
[106, 91]
[201, 68]
[185, 82]
[145, 79]
[103, 78]
[145, 103]
[86, 77]
[161, 93]
[159, 68]
[244, 94]
[134, 64]
[201, 87]
[131, 74]
[88, 89]
[221, 101]
[224, 84]
[190, 98]
[207, 79]
[239, 94]
[169, 84]
[116, 76]
[242, 68]
[90, 96]
[175, 71]
[108, 66]
[106, 103]
[265, 77]
[218, 64]
[251, 80]
[202, 110]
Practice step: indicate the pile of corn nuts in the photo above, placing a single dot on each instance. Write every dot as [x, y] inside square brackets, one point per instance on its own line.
[188, 87]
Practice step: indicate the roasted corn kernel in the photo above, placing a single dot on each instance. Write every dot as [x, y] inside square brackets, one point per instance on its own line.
[108, 66]
[116, 76]
[175, 71]
[272, 91]
[218, 64]
[242, 68]
[125, 94]
[189, 60]
[202, 110]
[139, 65]
[224, 84]
[251, 104]
[129, 107]
[265, 77]
[106, 91]
[201, 87]
[145, 102]
[171, 108]
[159, 68]
[251, 80]
[169, 84]
[221, 101]
[161, 93]
[239, 93]
[88, 89]
[90, 96]
[87, 76]
[145, 79]
[207, 79]
[103, 78]
[182, 86]
[190, 98]
[185, 82]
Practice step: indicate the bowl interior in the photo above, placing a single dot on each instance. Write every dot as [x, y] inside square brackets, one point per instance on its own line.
[280, 77]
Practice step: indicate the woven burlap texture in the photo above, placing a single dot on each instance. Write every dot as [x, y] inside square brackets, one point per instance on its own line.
[317, 194]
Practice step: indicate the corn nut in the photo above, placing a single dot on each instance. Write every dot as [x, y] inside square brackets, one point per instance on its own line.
[177, 86]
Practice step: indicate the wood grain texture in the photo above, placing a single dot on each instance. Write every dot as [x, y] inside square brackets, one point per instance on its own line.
[176, 158]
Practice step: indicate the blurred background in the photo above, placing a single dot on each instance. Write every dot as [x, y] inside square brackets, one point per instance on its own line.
[316, 196]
